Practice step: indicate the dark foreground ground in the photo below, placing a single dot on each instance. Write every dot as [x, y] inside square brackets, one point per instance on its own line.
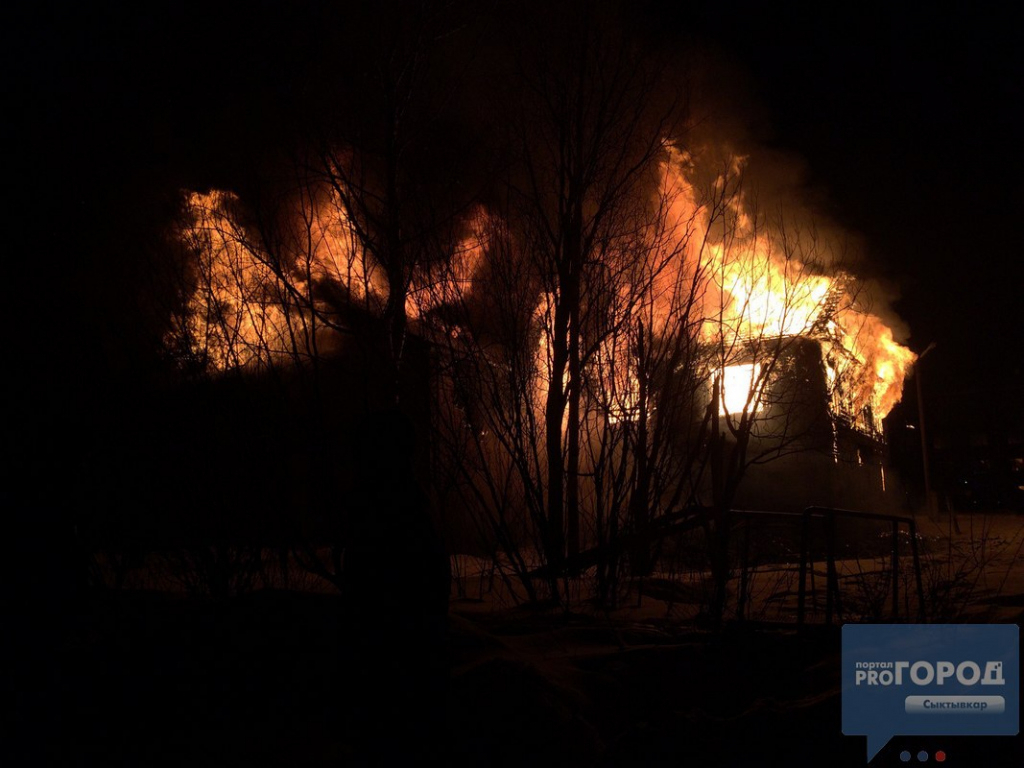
[145, 679]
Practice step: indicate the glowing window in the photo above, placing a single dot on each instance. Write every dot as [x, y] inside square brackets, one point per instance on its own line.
[738, 382]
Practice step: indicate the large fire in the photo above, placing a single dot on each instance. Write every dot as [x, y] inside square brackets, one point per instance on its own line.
[237, 313]
[254, 302]
[762, 286]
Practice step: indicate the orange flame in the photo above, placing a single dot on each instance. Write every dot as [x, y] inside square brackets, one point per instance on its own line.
[236, 308]
[248, 308]
[758, 287]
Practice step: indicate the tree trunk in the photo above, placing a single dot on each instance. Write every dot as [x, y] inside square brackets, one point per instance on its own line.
[554, 539]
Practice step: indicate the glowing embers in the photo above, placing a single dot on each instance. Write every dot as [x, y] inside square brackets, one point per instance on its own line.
[741, 386]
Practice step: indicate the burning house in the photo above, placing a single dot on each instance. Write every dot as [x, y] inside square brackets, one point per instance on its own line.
[823, 449]
[702, 352]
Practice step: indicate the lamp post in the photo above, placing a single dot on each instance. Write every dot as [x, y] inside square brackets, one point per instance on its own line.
[932, 508]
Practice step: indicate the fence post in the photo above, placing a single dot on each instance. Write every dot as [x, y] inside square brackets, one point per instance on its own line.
[741, 602]
[895, 569]
[917, 571]
[802, 587]
[832, 584]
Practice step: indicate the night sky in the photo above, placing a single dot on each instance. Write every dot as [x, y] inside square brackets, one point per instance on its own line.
[904, 124]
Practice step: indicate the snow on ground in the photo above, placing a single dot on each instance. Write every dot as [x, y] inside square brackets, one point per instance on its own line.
[149, 678]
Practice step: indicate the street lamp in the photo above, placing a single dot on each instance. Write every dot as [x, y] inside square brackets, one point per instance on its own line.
[920, 420]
